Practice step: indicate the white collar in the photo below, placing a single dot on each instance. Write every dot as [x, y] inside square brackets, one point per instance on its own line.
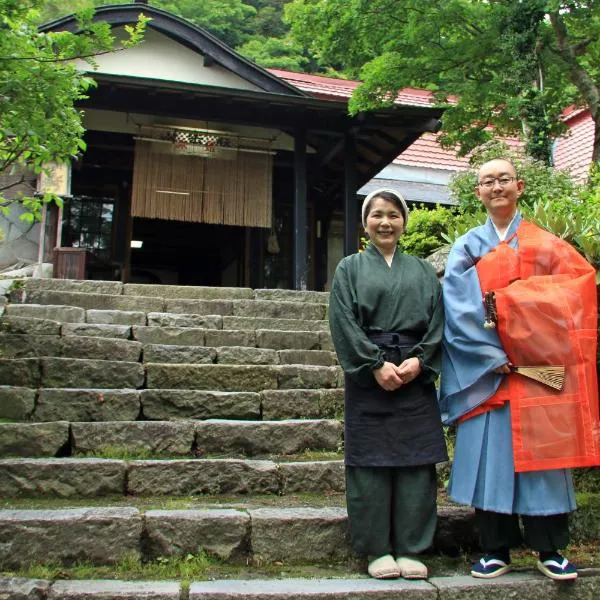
[502, 236]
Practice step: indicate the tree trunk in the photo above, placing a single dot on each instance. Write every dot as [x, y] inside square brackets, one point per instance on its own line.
[579, 77]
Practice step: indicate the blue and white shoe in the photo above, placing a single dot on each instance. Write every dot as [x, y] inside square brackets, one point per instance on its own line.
[490, 566]
[557, 567]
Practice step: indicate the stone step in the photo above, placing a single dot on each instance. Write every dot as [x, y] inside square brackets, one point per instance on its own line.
[173, 438]
[71, 373]
[92, 347]
[172, 291]
[29, 325]
[103, 536]
[91, 286]
[187, 291]
[239, 378]
[60, 312]
[526, 584]
[96, 373]
[96, 477]
[29, 346]
[101, 404]
[236, 308]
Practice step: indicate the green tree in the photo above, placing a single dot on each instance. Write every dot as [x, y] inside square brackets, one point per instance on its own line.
[270, 52]
[39, 89]
[510, 64]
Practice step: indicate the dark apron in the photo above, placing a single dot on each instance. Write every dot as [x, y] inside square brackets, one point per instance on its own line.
[393, 429]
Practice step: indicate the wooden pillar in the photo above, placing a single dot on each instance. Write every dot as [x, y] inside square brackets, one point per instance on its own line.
[300, 192]
[350, 202]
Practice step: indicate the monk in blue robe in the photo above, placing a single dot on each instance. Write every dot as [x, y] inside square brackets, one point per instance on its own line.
[513, 436]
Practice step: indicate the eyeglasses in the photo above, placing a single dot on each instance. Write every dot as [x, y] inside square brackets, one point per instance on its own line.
[503, 181]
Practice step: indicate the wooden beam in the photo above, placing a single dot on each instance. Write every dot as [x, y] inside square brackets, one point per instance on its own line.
[300, 189]
[350, 202]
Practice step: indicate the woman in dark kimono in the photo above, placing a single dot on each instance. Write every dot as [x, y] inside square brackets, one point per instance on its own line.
[386, 320]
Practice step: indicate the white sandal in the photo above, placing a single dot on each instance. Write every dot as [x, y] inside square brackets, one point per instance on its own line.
[384, 567]
[411, 568]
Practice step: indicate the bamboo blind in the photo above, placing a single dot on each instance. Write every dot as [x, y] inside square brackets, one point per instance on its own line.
[202, 190]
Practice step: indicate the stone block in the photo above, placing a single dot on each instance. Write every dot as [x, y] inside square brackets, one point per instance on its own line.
[84, 373]
[74, 285]
[253, 323]
[144, 437]
[331, 403]
[278, 309]
[529, 585]
[165, 405]
[239, 355]
[221, 532]
[16, 403]
[253, 438]
[325, 341]
[290, 404]
[199, 307]
[98, 301]
[21, 346]
[24, 372]
[87, 405]
[219, 338]
[19, 588]
[306, 377]
[32, 439]
[299, 534]
[202, 476]
[100, 536]
[97, 330]
[172, 336]
[321, 358]
[166, 353]
[292, 295]
[313, 589]
[116, 317]
[104, 589]
[225, 378]
[100, 348]
[32, 325]
[64, 314]
[287, 340]
[186, 291]
[61, 477]
[156, 319]
[313, 476]
[455, 532]
[28, 346]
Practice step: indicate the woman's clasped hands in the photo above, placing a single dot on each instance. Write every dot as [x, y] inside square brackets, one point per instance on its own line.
[390, 377]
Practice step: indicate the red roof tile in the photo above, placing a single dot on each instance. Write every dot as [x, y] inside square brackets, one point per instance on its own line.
[329, 88]
[573, 152]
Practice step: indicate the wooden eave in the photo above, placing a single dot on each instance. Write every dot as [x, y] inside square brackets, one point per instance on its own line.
[380, 135]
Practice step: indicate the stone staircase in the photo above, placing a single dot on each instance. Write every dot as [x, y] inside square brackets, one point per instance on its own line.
[144, 422]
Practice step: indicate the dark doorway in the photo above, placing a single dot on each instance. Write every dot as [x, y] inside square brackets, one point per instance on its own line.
[179, 253]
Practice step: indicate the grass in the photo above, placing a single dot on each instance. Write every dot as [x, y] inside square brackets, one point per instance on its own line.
[202, 566]
[180, 503]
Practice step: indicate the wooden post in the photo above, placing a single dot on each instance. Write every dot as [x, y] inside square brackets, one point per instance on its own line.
[350, 188]
[300, 187]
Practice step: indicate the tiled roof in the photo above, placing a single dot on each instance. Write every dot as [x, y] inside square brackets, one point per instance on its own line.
[329, 88]
[427, 152]
[573, 152]
[413, 191]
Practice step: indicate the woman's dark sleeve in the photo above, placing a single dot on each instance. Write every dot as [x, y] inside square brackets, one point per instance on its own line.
[428, 350]
[358, 356]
